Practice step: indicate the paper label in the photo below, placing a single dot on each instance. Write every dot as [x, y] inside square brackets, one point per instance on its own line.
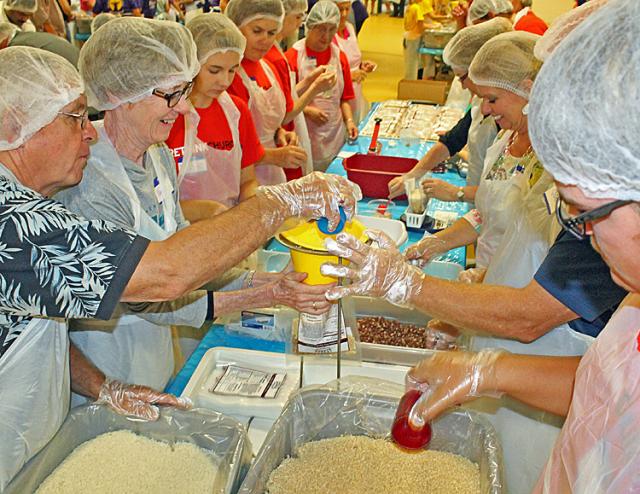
[242, 381]
[319, 334]
[444, 219]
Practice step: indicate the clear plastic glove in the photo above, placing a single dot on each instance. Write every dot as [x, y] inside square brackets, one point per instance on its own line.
[368, 66]
[439, 189]
[290, 290]
[375, 270]
[136, 400]
[396, 185]
[472, 275]
[316, 115]
[286, 138]
[324, 83]
[440, 335]
[426, 249]
[313, 196]
[358, 75]
[290, 156]
[451, 378]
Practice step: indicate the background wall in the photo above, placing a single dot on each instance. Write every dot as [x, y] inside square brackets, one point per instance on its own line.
[550, 9]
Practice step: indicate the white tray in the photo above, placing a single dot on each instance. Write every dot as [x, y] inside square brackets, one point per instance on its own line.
[394, 228]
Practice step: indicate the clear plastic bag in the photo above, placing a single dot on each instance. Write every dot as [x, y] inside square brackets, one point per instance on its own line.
[362, 406]
[219, 435]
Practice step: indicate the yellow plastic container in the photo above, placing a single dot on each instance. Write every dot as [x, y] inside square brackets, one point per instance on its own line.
[308, 253]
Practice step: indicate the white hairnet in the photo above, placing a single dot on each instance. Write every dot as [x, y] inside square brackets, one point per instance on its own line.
[323, 12]
[127, 58]
[460, 51]
[342, 1]
[481, 8]
[215, 33]
[241, 12]
[582, 122]
[562, 26]
[101, 19]
[507, 62]
[7, 30]
[297, 6]
[26, 6]
[34, 86]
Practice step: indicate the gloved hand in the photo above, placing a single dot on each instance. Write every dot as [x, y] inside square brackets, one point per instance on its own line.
[136, 400]
[313, 196]
[452, 378]
[425, 250]
[440, 335]
[472, 275]
[439, 189]
[376, 270]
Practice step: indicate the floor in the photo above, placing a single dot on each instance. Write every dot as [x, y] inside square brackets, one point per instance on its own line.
[381, 41]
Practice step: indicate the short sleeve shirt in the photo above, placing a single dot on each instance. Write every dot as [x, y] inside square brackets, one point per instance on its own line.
[255, 72]
[577, 276]
[54, 263]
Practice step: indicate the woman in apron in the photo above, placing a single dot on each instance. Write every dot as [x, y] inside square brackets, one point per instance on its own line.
[259, 85]
[329, 116]
[216, 144]
[347, 41]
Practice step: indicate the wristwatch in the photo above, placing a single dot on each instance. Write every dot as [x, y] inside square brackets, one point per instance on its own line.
[460, 194]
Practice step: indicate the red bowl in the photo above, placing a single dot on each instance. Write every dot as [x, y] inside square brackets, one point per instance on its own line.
[374, 172]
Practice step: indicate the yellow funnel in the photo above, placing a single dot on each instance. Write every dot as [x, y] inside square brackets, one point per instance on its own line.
[308, 252]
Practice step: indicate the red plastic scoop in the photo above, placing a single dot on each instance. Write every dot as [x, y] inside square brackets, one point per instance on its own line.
[402, 432]
[373, 148]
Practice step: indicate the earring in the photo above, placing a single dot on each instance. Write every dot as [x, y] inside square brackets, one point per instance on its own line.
[525, 109]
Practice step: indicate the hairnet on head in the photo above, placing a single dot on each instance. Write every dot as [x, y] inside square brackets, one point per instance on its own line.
[506, 61]
[460, 51]
[562, 26]
[26, 6]
[215, 33]
[242, 12]
[127, 58]
[580, 121]
[482, 8]
[7, 30]
[294, 6]
[342, 1]
[101, 19]
[323, 12]
[34, 86]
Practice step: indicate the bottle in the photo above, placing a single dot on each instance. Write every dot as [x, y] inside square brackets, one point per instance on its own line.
[403, 434]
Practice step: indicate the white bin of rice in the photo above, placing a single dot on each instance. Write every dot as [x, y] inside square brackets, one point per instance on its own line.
[99, 451]
[364, 407]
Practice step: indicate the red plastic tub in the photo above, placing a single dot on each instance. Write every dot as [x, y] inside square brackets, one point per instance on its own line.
[373, 172]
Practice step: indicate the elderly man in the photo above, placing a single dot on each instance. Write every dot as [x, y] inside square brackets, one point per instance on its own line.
[19, 13]
[56, 265]
[10, 35]
[525, 20]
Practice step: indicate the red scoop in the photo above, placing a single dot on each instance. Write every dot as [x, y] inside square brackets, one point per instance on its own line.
[403, 434]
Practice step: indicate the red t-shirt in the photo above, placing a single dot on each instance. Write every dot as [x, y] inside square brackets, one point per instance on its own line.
[215, 131]
[531, 23]
[322, 58]
[255, 71]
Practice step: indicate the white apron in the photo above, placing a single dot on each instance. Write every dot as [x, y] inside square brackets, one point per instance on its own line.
[327, 139]
[349, 46]
[598, 449]
[208, 173]
[34, 393]
[128, 347]
[482, 133]
[268, 108]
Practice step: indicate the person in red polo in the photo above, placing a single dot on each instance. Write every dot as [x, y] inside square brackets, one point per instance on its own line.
[525, 20]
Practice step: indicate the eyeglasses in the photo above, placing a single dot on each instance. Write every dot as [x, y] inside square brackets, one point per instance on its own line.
[463, 77]
[577, 225]
[83, 117]
[174, 98]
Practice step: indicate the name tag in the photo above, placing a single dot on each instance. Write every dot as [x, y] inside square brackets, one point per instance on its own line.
[160, 193]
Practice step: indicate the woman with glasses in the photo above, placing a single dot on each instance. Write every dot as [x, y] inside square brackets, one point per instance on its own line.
[131, 181]
[329, 116]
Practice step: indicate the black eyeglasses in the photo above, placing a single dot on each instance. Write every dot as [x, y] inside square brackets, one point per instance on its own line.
[174, 98]
[83, 117]
[577, 225]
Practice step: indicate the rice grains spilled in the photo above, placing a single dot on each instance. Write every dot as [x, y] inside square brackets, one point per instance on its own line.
[359, 464]
[122, 461]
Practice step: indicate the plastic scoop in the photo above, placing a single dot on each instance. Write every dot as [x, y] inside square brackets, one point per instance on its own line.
[402, 432]
[323, 224]
[373, 148]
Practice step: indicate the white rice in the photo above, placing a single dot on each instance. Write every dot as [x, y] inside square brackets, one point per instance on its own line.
[359, 464]
[124, 462]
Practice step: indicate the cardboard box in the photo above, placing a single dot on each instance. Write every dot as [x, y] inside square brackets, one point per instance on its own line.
[431, 91]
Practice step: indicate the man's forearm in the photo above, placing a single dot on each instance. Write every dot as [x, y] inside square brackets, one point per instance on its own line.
[86, 378]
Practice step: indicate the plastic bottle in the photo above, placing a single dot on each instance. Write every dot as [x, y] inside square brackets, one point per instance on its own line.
[403, 434]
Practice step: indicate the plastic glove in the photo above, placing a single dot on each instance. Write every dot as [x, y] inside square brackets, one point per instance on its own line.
[286, 138]
[425, 250]
[472, 275]
[358, 75]
[440, 335]
[451, 378]
[439, 189]
[316, 115]
[290, 156]
[313, 196]
[136, 400]
[376, 270]
[324, 83]
[290, 290]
